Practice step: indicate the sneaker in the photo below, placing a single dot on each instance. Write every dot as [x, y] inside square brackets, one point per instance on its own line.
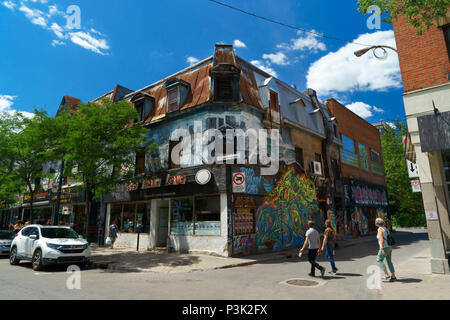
[332, 273]
[322, 272]
[311, 275]
[392, 279]
[387, 278]
[336, 270]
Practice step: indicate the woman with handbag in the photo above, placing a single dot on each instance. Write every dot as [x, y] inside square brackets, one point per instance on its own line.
[385, 250]
[113, 233]
[329, 243]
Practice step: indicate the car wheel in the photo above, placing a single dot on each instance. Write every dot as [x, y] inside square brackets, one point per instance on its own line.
[13, 257]
[37, 260]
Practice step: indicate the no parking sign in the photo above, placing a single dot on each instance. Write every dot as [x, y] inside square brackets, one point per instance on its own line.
[239, 182]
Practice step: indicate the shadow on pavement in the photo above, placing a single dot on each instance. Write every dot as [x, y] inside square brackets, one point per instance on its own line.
[134, 262]
[410, 280]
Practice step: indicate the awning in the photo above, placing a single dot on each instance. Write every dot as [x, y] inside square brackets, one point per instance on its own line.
[410, 152]
[434, 132]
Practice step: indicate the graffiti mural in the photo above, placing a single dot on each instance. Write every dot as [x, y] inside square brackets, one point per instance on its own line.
[252, 181]
[244, 243]
[358, 225]
[282, 219]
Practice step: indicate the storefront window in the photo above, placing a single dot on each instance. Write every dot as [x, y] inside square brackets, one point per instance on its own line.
[205, 221]
[182, 217]
[207, 216]
[130, 216]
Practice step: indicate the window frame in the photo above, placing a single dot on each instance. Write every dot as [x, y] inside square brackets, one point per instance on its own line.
[194, 215]
[171, 101]
[360, 148]
[142, 157]
[345, 153]
[381, 173]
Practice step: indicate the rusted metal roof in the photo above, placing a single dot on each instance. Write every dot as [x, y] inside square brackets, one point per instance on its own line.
[224, 54]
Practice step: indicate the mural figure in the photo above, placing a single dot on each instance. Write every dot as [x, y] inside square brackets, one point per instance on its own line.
[283, 217]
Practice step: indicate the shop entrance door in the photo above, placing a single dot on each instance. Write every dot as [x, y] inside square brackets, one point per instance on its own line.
[163, 227]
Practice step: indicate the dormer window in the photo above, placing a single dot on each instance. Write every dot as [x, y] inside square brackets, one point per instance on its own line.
[225, 79]
[177, 91]
[143, 103]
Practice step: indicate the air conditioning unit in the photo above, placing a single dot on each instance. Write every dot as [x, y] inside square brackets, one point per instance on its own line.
[316, 168]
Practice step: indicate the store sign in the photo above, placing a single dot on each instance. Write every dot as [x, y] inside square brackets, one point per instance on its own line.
[175, 180]
[432, 215]
[239, 182]
[68, 195]
[416, 187]
[37, 197]
[132, 186]
[203, 177]
[151, 183]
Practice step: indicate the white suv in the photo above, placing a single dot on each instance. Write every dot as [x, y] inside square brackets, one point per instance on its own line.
[47, 245]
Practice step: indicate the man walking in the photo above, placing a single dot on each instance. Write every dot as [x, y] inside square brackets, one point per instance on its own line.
[313, 243]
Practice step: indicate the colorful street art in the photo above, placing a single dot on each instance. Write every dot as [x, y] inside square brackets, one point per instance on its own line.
[282, 219]
[368, 196]
[244, 243]
[358, 226]
[252, 182]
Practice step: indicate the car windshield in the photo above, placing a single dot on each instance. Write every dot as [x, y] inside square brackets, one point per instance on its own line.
[6, 235]
[59, 233]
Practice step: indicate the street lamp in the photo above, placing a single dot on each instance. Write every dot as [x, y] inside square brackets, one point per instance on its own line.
[362, 52]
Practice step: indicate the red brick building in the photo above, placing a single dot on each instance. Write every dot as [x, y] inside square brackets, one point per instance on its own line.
[362, 171]
[425, 67]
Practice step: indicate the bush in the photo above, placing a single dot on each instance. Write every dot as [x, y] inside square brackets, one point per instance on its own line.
[409, 221]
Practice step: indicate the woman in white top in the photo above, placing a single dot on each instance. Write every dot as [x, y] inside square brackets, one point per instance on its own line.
[385, 251]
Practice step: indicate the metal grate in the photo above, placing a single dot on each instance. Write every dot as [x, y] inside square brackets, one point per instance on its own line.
[302, 283]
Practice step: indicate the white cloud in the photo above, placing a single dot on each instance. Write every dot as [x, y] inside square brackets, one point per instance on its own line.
[239, 44]
[6, 101]
[342, 71]
[306, 41]
[264, 67]
[9, 4]
[58, 30]
[363, 109]
[278, 58]
[192, 60]
[58, 43]
[34, 15]
[85, 40]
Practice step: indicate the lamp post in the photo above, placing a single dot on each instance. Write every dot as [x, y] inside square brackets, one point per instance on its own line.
[374, 49]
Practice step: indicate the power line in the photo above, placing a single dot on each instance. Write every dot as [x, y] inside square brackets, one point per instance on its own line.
[289, 26]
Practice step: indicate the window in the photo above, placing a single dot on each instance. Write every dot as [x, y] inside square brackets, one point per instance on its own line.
[377, 167]
[274, 101]
[447, 39]
[349, 155]
[172, 100]
[196, 216]
[299, 156]
[140, 110]
[224, 88]
[364, 156]
[335, 130]
[129, 217]
[318, 158]
[140, 163]
[336, 169]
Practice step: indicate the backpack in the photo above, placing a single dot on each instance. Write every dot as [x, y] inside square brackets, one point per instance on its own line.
[390, 239]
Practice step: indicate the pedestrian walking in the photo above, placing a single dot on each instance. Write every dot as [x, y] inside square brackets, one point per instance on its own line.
[329, 244]
[113, 233]
[313, 243]
[385, 251]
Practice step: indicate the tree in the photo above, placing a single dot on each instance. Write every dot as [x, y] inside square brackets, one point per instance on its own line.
[401, 197]
[98, 146]
[23, 151]
[421, 14]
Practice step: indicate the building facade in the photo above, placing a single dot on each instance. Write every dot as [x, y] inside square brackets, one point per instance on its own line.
[362, 173]
[425, 68]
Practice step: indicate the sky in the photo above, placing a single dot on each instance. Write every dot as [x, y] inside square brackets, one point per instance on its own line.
[47, 52]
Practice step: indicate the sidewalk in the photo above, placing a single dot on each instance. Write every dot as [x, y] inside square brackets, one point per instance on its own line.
[129, 260]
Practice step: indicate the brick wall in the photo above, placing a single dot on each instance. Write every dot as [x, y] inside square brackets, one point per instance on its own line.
[356, 128]
[423, 59]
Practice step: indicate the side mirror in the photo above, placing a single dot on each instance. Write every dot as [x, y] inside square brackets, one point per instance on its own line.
[80, 237]
[33, 237]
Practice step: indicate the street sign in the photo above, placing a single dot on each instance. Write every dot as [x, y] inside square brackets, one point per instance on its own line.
[413, 169]
[416, 187]
[239, 182]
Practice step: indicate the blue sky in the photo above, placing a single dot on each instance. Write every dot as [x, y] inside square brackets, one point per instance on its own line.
[135, 43]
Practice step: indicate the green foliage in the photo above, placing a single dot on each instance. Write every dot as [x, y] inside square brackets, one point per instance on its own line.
[421, 14]
[409, 221]
[22, 152]
[401, 198]
[99, 144]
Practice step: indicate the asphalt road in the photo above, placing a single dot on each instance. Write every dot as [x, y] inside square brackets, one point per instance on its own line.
[262, 281]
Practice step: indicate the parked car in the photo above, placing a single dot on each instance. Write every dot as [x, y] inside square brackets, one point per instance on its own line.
[6, 237]
[49, 245]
